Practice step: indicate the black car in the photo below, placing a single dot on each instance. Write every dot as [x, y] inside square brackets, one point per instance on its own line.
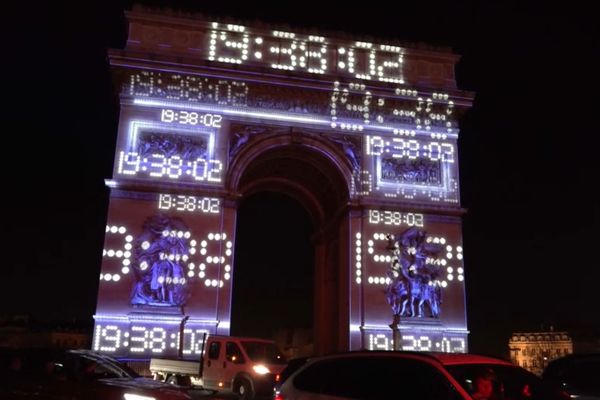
[45, 374]
[576, 374]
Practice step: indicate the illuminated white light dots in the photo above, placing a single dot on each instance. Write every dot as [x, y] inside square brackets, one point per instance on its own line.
[223, 45]
[227, 268]
[145, 245]
[358, 258]
[125, 270]
[190, 274]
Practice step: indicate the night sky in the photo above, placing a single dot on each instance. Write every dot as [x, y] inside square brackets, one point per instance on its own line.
[528, 161]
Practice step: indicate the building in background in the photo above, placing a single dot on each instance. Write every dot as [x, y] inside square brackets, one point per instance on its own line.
[20, 331]
[534, 350]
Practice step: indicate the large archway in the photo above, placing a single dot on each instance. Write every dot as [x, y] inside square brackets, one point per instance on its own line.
[363, 136]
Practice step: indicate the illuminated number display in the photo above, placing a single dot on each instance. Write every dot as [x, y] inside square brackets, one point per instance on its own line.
[435, 341]
[346, 106]
[191, 118]
[409, 168]
[395, 218]
[146, 340]
[179, 147]
[289, 51]
[189, 203]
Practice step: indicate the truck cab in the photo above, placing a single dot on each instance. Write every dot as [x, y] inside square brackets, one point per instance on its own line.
[245, 366]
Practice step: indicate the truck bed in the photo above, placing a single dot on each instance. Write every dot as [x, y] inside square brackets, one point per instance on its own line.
[175, 366]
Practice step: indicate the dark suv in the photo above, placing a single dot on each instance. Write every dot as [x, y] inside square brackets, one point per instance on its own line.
[413, 376]
[49, 374]
[576, 374]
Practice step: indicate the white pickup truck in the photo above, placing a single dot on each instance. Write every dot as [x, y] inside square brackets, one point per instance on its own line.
[245, 366]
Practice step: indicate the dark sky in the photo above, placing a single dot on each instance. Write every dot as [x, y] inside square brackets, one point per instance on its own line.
[528, 153]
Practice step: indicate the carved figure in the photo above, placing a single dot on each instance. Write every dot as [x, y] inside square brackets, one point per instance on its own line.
[158, 256]
[413, 281]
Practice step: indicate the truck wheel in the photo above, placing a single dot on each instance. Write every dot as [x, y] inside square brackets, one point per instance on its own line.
[179, 380]
[244, 389]
[173, 379]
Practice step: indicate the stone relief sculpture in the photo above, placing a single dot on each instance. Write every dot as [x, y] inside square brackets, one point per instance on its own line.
[414, 281]
[159, 253]
[416, 171]
[186, 147]
[351, 149]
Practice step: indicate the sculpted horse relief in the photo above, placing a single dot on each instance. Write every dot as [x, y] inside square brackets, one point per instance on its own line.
[414, 285]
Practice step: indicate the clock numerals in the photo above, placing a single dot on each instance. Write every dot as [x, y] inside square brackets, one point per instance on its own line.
[180, 202]
[395, 218]
[192, 118]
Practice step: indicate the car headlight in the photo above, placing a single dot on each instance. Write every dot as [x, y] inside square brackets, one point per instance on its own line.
[260, 369]
[133, 396]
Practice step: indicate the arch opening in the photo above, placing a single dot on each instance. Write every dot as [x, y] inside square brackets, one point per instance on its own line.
[273, 285]
[302, 186]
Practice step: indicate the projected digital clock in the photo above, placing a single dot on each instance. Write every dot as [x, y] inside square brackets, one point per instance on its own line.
[146, 340]
[191, 118]
[189, 203]
[412, 149]
[395, 218]
[158, 165]
[418, 341]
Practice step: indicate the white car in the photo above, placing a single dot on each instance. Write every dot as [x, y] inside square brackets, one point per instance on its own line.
[413, 376]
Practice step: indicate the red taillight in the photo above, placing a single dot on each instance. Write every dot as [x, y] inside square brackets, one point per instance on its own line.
[277, 377]
[278, 396]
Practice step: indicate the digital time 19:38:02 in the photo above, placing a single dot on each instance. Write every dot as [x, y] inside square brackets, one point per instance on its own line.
[189, 203]
[396, 218]
[191, 118]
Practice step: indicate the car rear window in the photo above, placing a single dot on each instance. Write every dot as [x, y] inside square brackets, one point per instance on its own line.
[374, 377]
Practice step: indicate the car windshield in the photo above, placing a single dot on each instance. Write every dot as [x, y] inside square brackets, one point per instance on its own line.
[263, 352]
[492, 381]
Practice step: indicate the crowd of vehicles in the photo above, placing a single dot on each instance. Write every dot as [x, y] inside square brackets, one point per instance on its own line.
[247, 368]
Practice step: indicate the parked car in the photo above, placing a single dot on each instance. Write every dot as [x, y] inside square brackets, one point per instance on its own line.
[292, 366]
[413, 376]
[45, 374]
[576, 374]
